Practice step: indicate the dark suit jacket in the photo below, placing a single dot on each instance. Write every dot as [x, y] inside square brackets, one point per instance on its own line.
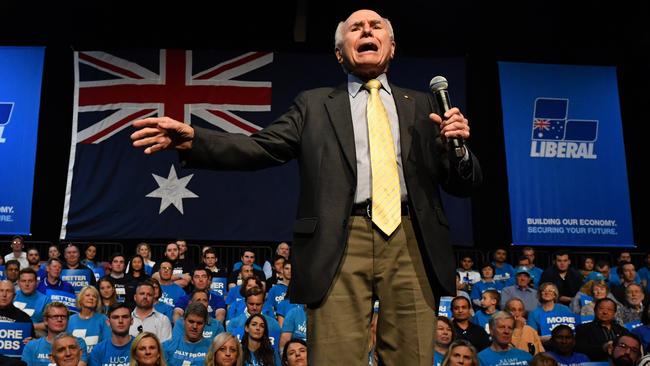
[317, 131]
[591, 337]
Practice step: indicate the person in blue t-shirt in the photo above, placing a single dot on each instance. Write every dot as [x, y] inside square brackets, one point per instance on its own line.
[504, 273]
[549, 314]
[90, 324]
[212, 328]
[564, 343]
[66, 350]
[489, 301]
[190, 348]
[294, 325]
[115, 351]
[444, 336]
[51, 280]
[487, 282]
[201, 281]
[501, 352]
[28, 299]
[256, 344]
[37, 351]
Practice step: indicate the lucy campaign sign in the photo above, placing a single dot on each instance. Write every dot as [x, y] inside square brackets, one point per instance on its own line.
[567, 176]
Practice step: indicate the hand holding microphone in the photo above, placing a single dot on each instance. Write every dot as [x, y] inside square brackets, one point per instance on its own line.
[455, 122]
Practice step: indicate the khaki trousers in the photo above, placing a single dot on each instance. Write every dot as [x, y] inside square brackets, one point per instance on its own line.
[392, 270]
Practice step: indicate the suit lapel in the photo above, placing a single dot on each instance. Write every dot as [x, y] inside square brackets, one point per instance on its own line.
[405, 105]
[338, 108]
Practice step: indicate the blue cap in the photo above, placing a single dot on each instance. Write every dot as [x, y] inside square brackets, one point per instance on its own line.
[522, 269]
[597, 276]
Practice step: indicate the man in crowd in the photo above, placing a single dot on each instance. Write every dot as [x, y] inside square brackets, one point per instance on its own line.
[254, 298]
[212, 263]
[282, 250]
[201, 281]
[37, 352]
[52, 280]
[522, 289]
[564, 343]
[170, 291]
[625, 351]
[190, 348]
[502, 325]
[464, 328]
[29, 300]
[34, 259]
[503, 272]
[115, 351]
[65, 350]
[12, 268]
[180, 270]
[468, 275]
[17, 253]
[567, 279]
[72, 256]
[595, 338]
[145, 317]
[535, 272]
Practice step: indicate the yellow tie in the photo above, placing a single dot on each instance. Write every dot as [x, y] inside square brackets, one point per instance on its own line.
[386, 202]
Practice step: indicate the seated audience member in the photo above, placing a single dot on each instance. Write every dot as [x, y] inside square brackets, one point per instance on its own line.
[89, 324]
[461, 353]
[29, 300]
[10, 313]
[463, 327]
[599, 290]
[53, 252]
[37, 351]
[489, 302]
[444, 337]
[118, 278]
[245, 270]
[563, 343]
[503, 271]
[254, 299]
[282, 250]
[12, 269]
[107, 294]
[72, 256]
[211, 262]
[146, 350]
[566, 279]
[279, 290]
[90, 254]
[145, 252]
[225, 350]
[549, 314]
[487, 282]
[170, 291]
[468, 275]
[115, 350]
[629, 314]
[625, 351]
[247, 257]
[212, 326]
[594, 338]
[161, 307]
[235, 300]
[17, 245]
[52, 279]
[145, 317]
[294, 325]
[66, 351]
[615, 274]
[522, 289]
[535, 272]
[180, 270]
[191, 348]
[256, 343]
[586, 295]
[601, 269]
[644, 272]
[523, 336]
[587, 265]
[34, 260]
[542, 359]
[295, 353]
[201, 281]
[643, 331]
[626, 276]
[502, 325]
[276, 276]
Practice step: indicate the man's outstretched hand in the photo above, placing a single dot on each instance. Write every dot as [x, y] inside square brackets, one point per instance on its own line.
[161, 133]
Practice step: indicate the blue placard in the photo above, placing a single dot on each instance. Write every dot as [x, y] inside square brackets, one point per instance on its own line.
[553, 319]
[218, 285]
[99, 273]
[444, 309]
[2, 273]
[66, 298]
[78, 278]
[21, 71]
[567, 175]
[12, 336]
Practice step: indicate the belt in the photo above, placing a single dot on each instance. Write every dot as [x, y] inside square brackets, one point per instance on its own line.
[365, 209]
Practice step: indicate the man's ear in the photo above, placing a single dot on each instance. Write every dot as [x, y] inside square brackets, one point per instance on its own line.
[339, 55]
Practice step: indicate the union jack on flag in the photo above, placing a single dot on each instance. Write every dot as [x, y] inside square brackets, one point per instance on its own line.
[175, 90]
[541, 124]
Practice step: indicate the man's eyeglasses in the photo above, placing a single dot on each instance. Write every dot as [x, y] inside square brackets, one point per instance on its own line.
[625, 347]
[58, 317]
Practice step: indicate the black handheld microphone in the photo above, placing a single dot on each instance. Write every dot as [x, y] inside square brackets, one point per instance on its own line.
[438, 86]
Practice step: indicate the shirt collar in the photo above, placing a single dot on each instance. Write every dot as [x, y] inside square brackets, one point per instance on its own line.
[355, 84]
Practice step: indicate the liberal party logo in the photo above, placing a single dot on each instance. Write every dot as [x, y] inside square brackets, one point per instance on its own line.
[554, 135]
[5, 116]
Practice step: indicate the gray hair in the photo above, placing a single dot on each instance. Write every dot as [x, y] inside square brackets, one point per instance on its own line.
[338, 34]
[196, 308]
[500, 315]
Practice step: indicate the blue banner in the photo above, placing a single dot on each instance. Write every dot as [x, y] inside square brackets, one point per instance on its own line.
[21, 71]
[78, 278]
[64, 297]
[218, 285]
[12, 336]
[567, 175]
[115, 191]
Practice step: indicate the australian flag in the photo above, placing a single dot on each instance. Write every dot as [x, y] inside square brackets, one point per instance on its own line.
[550, 122]
[115, 191]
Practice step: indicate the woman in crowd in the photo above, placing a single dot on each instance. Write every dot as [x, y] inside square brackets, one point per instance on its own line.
[144, 250]
[523, 336]
[444, 336]
[107, 294]
[136, 269]
[548, 296]
[53, 252]
[90, 320]
[461, 353]
[225, 350]
[596, 290]
[146, 351]
[257, 345]
[295, 353]
[587, 266]
[90, 253]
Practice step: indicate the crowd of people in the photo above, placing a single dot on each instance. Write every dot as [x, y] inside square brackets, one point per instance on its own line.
[177, 310]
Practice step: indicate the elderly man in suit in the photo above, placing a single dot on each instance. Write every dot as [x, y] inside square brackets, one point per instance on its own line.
[370, 222]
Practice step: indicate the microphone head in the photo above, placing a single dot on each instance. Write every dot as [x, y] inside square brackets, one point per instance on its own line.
[438, 83]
